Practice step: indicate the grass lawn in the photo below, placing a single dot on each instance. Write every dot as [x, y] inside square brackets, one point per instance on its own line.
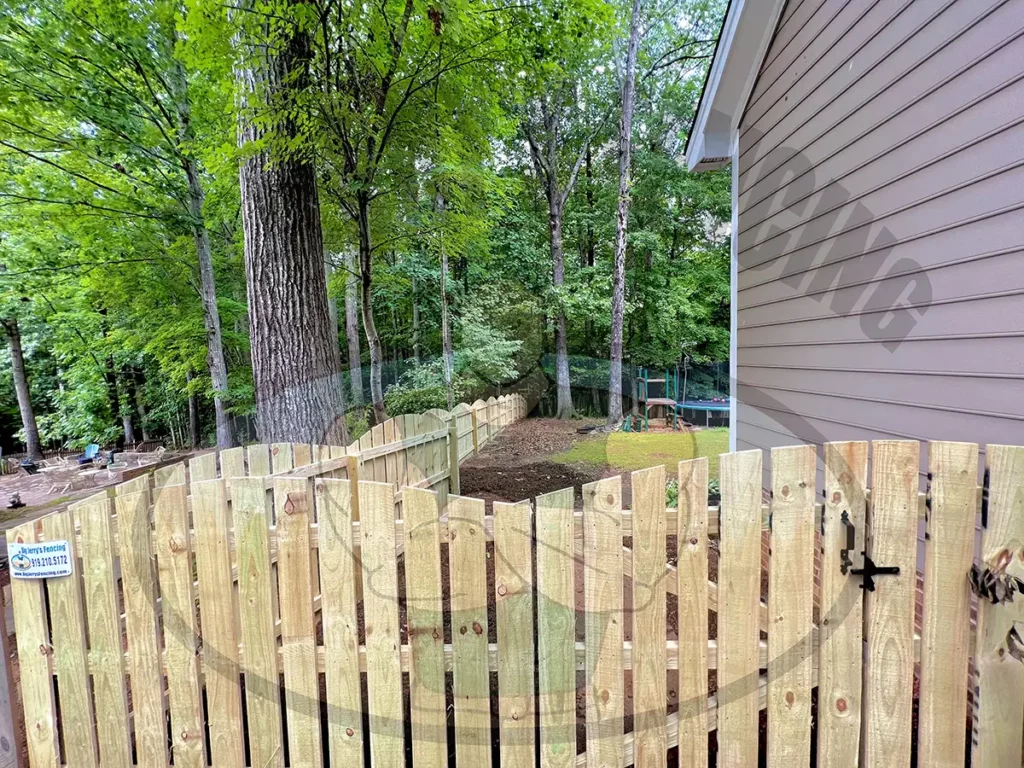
[627, 451]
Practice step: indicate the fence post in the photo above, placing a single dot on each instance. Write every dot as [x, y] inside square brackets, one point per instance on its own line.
[10, 735]
[476, 438]
[353, 479]
[454, 481]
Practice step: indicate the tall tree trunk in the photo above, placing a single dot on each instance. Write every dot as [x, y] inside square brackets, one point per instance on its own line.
[194, 433]
[28, 416]
[447, 352]
[622, 218]
[211, 314]
[564, 390]
[295, 361]
[372, 336]
[355, 365]
[207, 284]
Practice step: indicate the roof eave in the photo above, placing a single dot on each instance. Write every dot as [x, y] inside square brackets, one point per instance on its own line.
[742, 45]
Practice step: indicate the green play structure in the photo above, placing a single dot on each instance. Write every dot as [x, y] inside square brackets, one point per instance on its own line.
[667, 395]
[664, 395]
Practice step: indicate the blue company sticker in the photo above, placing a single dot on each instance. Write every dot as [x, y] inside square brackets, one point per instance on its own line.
[46, 560]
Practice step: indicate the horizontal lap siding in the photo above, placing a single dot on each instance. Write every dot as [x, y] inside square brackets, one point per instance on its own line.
[882, 167]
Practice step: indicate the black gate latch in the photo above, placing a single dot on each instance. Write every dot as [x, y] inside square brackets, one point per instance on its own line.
[851, 543]
[870, 570]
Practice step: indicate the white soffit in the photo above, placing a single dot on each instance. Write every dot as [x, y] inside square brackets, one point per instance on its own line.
[746, 34]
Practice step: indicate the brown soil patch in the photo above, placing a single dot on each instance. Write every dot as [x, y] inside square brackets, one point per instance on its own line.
[529, 439]
[523, 481]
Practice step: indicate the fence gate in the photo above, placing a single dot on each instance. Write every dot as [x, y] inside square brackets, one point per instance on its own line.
[889, 601]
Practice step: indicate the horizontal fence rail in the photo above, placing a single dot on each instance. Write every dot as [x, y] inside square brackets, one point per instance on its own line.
[311, 606]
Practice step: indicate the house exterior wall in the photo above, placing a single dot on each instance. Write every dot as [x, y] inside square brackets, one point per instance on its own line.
[880, 236]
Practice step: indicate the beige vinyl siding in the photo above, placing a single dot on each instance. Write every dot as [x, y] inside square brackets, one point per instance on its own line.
[882, 167]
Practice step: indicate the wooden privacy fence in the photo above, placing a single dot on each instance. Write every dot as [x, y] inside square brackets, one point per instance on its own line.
[408, 450]
[257, 622]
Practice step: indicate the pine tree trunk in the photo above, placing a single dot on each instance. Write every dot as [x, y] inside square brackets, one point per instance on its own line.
[28, 415]
[564, 390]
[372, 336]
[355, 364]
[622, 218]
[295, 361]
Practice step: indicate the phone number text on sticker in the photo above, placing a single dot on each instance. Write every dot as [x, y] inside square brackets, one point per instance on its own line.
[40, 561]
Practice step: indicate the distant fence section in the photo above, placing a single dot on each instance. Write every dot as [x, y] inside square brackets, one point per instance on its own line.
[150, 550]
[292, 611]
[10, 463]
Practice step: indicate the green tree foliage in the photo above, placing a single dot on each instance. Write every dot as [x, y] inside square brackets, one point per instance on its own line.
[435, 129]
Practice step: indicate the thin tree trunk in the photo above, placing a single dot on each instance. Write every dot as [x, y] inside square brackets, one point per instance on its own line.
[129, 430]
[622, 218]
[139, 384]
[142, 418]
[194, 433]
[110, 378]
[394, 340]
[28, 415]
[415, 324]
[332, 303]
[545, 160]
[372, 336]
[207, 283]
[564, 390]
[352, 333]
[295, 362]
[591, 243]
[448, 363]
[126, 411]
[211, 314]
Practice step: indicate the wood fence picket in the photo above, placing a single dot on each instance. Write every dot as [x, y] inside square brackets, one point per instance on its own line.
[324, 567]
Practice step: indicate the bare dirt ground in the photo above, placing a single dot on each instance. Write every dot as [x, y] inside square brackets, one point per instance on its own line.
[518, 465]
[531, 439]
